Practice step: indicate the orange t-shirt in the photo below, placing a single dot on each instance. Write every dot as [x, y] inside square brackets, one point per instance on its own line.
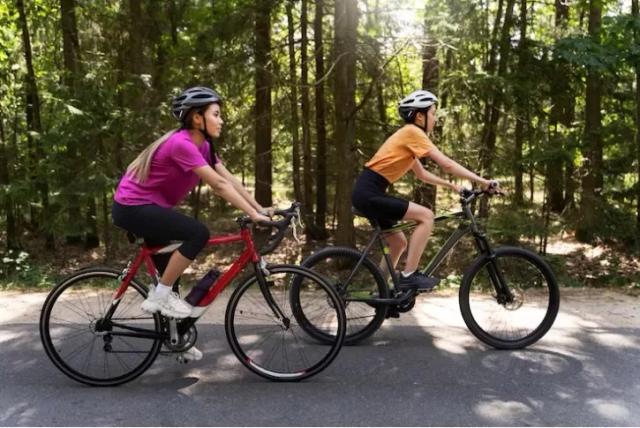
[397, 155]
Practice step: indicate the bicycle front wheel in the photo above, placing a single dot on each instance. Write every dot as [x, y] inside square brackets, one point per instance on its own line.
[263, 328]
[90, 347]
[357, 285]
[511, 300]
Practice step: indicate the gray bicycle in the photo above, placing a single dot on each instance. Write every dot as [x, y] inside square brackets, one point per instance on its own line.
[509, 296]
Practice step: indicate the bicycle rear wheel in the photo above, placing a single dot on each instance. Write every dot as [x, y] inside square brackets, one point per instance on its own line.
[515, 319]
[279, 348]
[89, 348]
[338, 265]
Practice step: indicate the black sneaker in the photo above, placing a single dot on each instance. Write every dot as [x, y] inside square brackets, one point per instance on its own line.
[417, 281]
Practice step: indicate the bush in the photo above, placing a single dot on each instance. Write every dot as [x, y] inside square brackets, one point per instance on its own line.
[16, 271]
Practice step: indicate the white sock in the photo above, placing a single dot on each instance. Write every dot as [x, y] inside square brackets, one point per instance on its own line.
[163, 290]
[407, 275]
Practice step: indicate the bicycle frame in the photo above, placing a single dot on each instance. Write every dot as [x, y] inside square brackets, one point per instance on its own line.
[463, 229]
[249, 255]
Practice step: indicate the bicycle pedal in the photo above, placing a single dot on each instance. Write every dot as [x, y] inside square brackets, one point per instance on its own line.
[393, 313]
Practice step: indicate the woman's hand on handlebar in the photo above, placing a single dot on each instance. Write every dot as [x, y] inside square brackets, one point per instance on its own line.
[267, 211]
[257, 217]
[456, 188]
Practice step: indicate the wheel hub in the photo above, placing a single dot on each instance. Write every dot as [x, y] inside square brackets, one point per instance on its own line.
[513, 302]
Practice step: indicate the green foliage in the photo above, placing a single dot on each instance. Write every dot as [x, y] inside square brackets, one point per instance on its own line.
[615, 225]
[16, 271]
[517, 225]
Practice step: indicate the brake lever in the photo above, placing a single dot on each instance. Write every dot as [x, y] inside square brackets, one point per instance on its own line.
[297, 221]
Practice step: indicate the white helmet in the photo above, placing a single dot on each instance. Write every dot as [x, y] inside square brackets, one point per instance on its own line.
[414, 102]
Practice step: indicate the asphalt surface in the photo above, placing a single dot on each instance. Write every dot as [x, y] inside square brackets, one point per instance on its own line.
[423, 369]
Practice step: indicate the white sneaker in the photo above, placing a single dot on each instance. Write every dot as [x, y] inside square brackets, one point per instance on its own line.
[170, 305]
[192, 354]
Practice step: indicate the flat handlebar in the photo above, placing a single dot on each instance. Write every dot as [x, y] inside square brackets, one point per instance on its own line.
[468, 195]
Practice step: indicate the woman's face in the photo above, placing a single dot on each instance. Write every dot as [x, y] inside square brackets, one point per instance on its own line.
[214, 120]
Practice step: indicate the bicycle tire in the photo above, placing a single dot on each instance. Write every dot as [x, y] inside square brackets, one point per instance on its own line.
[336, 264]
[83, 295]
[258, 338]
[521, 322]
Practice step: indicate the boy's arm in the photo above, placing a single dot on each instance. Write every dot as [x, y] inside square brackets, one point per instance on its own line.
[450, 166]
[427, 177]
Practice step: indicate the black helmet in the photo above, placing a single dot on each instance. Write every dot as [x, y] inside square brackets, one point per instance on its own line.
[415, 102]
[198, 96]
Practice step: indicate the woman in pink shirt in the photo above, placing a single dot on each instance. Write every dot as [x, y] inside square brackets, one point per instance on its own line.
[161, 177]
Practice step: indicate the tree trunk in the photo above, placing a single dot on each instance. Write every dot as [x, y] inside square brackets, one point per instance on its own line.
[346, 23]
[5, 180]
[136, 37]
[492, 110]
[521, 106]
[592, 147]
[34, 124]
[159, 59]
[18, 212]
[492, 60]
[91, 238]
[423, 193]
[263, 159]
[71, 55]
[295, 136]
[561, 112]
[321, 132]
[311, 229]
[636, 35]
[107, 228]
[70, 44]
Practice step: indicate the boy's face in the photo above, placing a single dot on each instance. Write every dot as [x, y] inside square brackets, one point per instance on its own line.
[431, 118]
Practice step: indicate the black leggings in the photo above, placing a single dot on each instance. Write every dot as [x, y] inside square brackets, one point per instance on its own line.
[159, 226]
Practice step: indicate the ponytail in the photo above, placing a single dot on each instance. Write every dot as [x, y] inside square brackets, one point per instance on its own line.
[140, 166]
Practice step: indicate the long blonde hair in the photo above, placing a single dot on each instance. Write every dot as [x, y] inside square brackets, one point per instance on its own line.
[140, 166]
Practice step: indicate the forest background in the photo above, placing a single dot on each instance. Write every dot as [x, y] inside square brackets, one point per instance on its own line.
[543, 95]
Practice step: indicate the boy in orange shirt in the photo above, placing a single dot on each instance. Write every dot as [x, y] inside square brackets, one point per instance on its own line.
[399, 154]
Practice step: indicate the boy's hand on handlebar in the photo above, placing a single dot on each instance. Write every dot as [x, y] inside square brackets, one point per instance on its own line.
[493, 187]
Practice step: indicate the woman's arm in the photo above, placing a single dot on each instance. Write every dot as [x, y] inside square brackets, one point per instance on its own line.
[225, 189]
[427, 177]
[450, 166]
[237, 185]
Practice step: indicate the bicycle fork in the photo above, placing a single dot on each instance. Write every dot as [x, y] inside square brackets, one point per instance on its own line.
[261, 275]
[503, 292]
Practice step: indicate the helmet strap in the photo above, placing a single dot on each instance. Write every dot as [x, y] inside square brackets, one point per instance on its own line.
[204, 132]
[423, 127]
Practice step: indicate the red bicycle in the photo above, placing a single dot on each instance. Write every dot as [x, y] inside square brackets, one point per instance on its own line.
[100, 337]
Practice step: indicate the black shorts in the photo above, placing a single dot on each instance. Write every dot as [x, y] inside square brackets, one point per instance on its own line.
[369, 197]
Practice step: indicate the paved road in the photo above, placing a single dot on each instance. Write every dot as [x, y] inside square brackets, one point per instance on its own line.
[423, 369]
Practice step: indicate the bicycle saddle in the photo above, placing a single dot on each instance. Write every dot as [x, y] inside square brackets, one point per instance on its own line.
[359, 213]
[135, 239]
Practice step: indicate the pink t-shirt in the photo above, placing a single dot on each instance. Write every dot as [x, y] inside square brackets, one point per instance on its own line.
[171, 175]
